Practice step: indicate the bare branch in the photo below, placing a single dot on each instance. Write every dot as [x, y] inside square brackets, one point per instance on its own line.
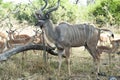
[9, 53]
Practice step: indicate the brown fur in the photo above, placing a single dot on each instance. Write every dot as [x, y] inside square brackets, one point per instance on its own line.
[115, 47]
[17, 40]
[3, 36]
[2, 46]
[104, 49]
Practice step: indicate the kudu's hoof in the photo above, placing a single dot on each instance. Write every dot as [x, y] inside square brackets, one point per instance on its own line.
[101, 74]
[98, 78]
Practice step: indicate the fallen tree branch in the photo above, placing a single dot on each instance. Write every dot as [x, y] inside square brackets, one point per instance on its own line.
[16, 50]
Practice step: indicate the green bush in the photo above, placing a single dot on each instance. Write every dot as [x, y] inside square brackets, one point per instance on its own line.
[106, 11]
[102, 12]
[5, 8]
[66, 12]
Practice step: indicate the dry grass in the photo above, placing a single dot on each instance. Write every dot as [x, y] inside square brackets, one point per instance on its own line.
[34, 68]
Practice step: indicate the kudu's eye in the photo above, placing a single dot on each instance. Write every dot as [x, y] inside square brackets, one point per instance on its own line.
[47, 16]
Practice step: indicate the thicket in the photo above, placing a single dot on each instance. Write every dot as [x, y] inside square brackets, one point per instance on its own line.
[105, 11]
[102, 12]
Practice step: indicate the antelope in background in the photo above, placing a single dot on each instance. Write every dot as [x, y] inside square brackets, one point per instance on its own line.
[16, 40]
[64, 36]
[3, 36]
[106, 36]
[20, 39]
[3, 39]
[115, 44]
[38, 37]
[115, 48]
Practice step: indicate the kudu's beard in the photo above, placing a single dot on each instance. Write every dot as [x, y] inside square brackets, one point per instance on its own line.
[40, 24]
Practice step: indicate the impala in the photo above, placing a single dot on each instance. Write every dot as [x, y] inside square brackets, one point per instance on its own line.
[115, 46]
[18, 40]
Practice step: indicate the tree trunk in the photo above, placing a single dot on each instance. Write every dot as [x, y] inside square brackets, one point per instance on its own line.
[5, 55]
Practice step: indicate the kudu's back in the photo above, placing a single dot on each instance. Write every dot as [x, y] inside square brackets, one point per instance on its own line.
[77, 35]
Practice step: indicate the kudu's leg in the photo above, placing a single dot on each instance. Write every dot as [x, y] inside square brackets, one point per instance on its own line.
[67, 53]
[96, 59]
[96, 67]
[60, 52]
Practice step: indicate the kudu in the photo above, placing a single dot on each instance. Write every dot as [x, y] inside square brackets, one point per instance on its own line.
[65, 36]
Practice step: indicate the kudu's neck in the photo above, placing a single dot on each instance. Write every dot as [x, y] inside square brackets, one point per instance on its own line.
[50, 31]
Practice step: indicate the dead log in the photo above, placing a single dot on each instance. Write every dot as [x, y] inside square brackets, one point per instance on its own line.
[5, 55]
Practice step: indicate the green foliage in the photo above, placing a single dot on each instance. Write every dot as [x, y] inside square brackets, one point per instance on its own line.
[25, 13]
[102, 12]
[5, 9]
[66, 12]
[106, 11]
[1, 1]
